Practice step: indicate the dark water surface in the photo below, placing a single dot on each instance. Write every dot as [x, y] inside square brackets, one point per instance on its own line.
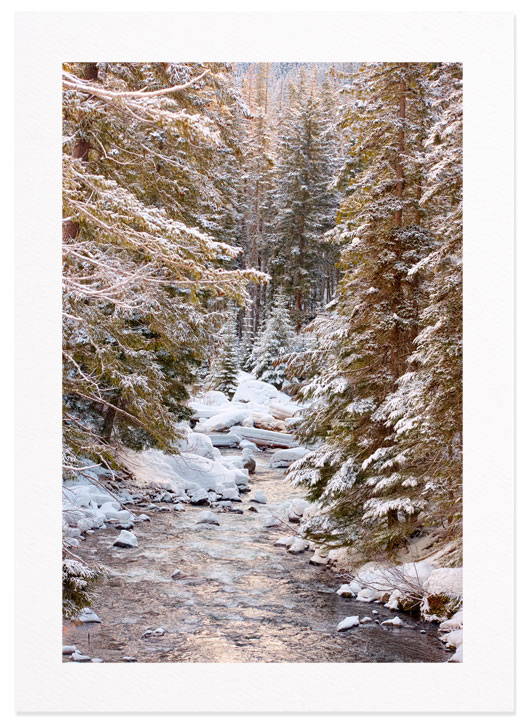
[239, 599]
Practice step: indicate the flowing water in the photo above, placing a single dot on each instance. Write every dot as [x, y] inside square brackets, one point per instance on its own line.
[239, 598]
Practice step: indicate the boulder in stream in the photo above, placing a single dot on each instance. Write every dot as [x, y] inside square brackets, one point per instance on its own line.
[347, 623]
[126, 540]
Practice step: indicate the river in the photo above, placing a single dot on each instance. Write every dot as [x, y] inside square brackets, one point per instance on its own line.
[238, 599]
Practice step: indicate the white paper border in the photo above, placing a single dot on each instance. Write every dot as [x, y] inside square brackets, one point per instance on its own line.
[484, 44]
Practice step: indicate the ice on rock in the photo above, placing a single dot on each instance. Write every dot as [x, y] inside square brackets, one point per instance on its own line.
[126, 540]
[208, 518]
[348, 623]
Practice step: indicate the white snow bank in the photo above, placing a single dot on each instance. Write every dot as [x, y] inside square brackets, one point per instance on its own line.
[257, 391]
[181, 472]
[230, 416]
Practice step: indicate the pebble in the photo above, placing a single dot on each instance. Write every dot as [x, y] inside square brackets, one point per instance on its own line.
[252, 508]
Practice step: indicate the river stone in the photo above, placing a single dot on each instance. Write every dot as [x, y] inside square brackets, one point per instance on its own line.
[345, 591]
[252, 508]
[208, 518]
[284, 541]
[176, 574]
[199, 498]
[68, 649]
[178, 507]
[367, 595]
[396, 622]
[347, 623]
[259, 497]
[126, 540]
[293, 517]
[143, 517]
[88, 616]
[270, 521]
[77, 657]
[298, 546]
[318, 559]
[364, 620]
[129, 659]
[231, 494]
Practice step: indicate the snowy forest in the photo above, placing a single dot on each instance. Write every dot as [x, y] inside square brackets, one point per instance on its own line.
[262, 315]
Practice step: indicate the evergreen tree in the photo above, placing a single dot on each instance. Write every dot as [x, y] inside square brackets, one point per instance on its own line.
[225, 366]
[304, 205]
[378, 306]
[142, 191]
[273, 344]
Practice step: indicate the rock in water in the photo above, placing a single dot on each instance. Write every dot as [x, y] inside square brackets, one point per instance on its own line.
[88, 616]
[77, 657]
[348, 623]
[126, 540]
[208, 518]
[270, 521]
[259, 497]
[298, 546]
[396, 622]
[176, 574]
[346, 591]
[68, 649]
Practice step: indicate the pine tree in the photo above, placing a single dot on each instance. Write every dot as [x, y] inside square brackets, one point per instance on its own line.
[142, 191]
[247, 338]
[304, 206]
[379, 304]
[273, 344]
[225, 366]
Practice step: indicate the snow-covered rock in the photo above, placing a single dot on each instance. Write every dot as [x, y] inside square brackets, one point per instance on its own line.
[225, 440]
[367, 595]
[345, 591]
[298, 546]
[348, 623]
[198, 443]
[265, 438]
[208, 518]
[318, 559]
[221, 423]
[259, 497]
[78, 657]
[395, 622]
[443, 594]
[283, 458]
[455, 622]
[458, 655]
[68, 649]
[283, 410]
[453, 638]
[88, 616]
[284, 541]
[270, 521]
[257, 391]
[126, 540]
[232, 494]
